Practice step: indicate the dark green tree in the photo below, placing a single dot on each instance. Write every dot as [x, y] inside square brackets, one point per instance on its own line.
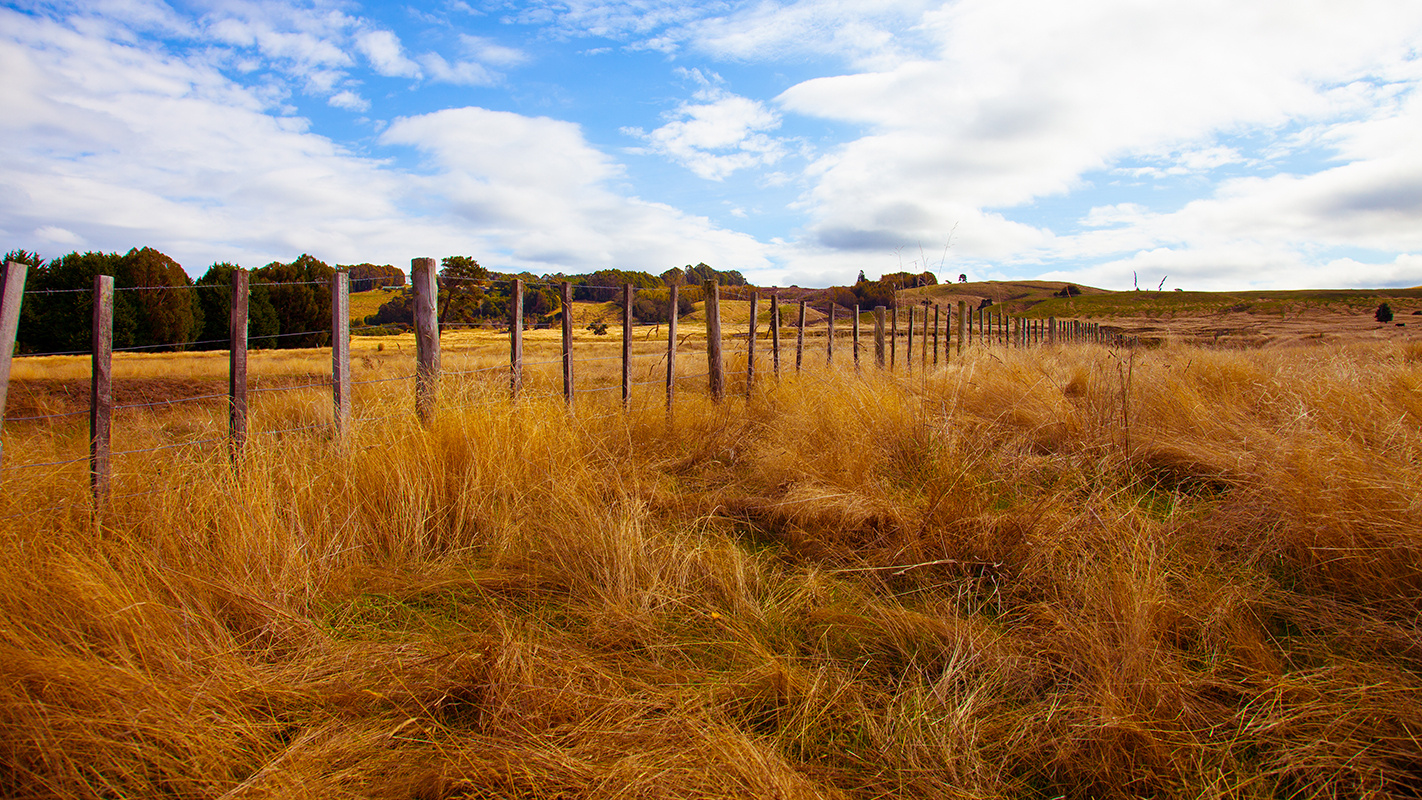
[365, 277]
[463, 289]
[301, 294]
[214, 293]
[1384, 313]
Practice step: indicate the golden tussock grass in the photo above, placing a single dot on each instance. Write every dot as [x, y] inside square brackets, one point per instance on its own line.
[1062, 572]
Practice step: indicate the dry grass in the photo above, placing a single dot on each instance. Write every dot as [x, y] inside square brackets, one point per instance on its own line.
[974, 583]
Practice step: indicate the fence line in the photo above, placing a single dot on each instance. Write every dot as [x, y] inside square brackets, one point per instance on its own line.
[991, 328]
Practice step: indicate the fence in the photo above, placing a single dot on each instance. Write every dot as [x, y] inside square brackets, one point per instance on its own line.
[928, 326]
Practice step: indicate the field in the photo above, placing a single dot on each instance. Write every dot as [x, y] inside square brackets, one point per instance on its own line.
[1060, 572]
[1226, 319]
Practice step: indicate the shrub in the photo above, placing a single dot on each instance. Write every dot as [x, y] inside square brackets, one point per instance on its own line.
[1384, 313]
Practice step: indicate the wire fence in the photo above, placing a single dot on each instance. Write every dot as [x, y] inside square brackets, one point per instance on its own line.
[481, 372]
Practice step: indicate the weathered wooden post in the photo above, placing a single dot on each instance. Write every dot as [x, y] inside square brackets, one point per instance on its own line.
[894, 336]
[775, 333]
[565, 292]
[750, 343]
[855, 340]
[671, 345]
[925, 340]
[426, 288]
[715, 365]
[829, 337]
[237, 366]
[12, 295]
[908, 350]
[936, 315]
[516, 339]
[962, 324]
[879, 336]
[341, 352]
[800, 337]
[626, 344]
[1051, 330]
[101, 392]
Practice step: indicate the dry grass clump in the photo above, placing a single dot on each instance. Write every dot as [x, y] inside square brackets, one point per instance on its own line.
[1062, 572]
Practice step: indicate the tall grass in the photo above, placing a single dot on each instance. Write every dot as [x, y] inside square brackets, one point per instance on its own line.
[969, 583]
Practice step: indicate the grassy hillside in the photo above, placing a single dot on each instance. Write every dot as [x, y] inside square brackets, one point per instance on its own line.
[1096, 305]
[1036, 574]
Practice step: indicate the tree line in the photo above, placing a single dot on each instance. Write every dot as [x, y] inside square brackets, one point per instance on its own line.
[157, 305]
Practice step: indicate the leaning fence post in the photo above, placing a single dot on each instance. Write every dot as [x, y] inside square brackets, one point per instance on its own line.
[750, 343]
[101, 392]
[422, 280]
[879, 336]
[237, 366]
[12, 294]
[829, 337]
[341, 351]
[626, 344]
[775, 333]
[516, 338]
[800, 337]
[715, 365]
[671, 345]
[565, 291]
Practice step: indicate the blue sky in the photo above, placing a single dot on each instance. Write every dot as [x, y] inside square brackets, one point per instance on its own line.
[1212, 145]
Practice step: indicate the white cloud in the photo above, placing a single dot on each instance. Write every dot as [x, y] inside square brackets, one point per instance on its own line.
[867, 33]
[462, 73]
[382, 48]
[349, 100]
[488, 51]
[115, 146]
[996, 121]
[717, 133]
[536, 188]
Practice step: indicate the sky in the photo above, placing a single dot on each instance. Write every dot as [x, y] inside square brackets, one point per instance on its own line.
[1209, 145]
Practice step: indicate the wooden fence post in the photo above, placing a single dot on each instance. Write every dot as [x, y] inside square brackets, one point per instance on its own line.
[426, 288]
[715, 365]
[12, 295]
[894, 337]
[626, 344]
[937, 313]
[800, 338]
[101, 392]
[341, 352]
[775, 333]
[908, 351]
[516, 338]
[671, 346]
[565, 291]
[237, 366]
[750, 343]
[855, 340]
[925, 339]
[1051, 330]
[962, 321]
[829, 337]
[879, 336]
